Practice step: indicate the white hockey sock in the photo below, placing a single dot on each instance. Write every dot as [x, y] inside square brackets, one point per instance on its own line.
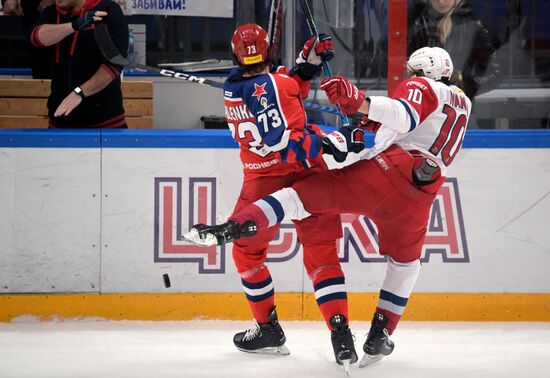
[398, 285]
[284, 204]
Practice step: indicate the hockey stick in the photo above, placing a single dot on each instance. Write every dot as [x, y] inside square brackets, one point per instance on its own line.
[205, 65]
[275, 28]
[111, 53]
[313, 30]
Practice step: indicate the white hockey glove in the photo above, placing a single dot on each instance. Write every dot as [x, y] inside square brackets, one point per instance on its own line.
[340, 143]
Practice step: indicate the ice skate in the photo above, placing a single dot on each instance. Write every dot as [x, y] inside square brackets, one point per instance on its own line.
[206, 235]
[263, 338]
[342, 342]
[378, 343]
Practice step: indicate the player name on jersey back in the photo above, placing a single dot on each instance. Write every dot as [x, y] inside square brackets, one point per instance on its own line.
[236, 110]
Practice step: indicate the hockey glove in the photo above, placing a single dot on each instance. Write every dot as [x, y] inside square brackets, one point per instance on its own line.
[340, 143]
[340, 91]
[82, 22]
[316, 50]
[369, 125]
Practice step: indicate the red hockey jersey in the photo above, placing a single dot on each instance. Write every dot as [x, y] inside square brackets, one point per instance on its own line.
[266, 117]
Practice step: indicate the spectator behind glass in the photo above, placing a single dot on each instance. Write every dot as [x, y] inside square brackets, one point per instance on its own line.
[28, 11]
[372, 23]
[451, 24]
[86, 89]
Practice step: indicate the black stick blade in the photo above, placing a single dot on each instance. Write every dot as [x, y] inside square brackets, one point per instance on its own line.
[275, 31]
[107, 47]
[309, 18]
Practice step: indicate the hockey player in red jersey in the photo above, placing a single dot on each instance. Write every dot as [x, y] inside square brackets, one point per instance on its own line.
[419, 131]
[266, 117]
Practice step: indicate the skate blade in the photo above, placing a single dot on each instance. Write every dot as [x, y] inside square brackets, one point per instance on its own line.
[281, 350]
[346, 364]
[369, 360]
[194, 237]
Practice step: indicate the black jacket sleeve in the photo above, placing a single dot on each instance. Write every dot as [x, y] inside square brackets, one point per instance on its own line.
[482, 72]
[118, 30]
[48, 16]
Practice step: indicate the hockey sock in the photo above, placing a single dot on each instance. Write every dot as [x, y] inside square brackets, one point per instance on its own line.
[260, 292]
[329, 285]
[396, 290]
[270, 210]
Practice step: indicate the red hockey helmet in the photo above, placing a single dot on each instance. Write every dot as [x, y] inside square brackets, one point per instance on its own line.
[250, 44]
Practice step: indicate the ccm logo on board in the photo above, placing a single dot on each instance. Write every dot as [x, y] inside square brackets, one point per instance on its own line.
[179, 204]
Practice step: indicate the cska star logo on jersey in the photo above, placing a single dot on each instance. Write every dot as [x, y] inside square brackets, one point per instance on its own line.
[259, 90]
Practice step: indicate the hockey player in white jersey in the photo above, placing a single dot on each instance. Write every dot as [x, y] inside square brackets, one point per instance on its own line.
[419, 131]
[426, 118]
[426, 103]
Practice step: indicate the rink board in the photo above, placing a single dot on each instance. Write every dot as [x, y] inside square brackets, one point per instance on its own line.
[101, 213]
[290, 306]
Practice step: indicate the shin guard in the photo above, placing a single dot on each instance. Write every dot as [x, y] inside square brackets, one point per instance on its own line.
[260, 292]
[396, 290]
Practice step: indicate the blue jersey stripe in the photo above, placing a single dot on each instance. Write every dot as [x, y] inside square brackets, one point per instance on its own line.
[256, 285]
[331, 297]
[408, 109]
[329, 282]
[395, 299]
[276, 206]
[259, 298]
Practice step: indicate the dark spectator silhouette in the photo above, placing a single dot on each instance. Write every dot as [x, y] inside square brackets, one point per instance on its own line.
[452, 24]
[28, 11]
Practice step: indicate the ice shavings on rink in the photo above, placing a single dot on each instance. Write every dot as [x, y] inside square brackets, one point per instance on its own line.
[205, 349]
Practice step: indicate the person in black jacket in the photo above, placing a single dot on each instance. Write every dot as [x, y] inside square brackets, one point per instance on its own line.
[452, 25]
[85, 89]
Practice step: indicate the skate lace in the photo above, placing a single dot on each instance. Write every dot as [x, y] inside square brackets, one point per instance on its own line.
[342, 337]
[252, 332]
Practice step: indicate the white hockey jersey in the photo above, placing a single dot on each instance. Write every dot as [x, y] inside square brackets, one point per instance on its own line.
[423, 115]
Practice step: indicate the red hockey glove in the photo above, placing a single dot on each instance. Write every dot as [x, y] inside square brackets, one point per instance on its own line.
[312, 128]
[340, 91]
[316, 50]
[369, 125]
[340, 143]
[280, 70]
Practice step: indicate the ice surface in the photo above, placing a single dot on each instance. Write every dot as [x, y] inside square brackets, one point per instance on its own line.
[202, 348]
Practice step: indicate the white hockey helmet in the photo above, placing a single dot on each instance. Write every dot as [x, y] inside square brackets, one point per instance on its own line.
[432, 62]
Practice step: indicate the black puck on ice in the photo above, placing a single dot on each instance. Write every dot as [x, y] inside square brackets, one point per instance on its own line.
[166, 279]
